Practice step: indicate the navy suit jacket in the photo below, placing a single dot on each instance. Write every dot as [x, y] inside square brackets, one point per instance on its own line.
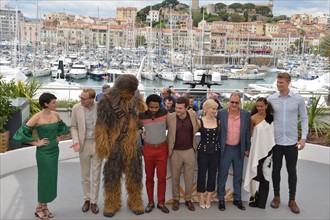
[245, 142]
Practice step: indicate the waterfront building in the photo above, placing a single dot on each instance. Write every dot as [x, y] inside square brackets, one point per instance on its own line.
[279, 42]
[30, 31]
[10, 23]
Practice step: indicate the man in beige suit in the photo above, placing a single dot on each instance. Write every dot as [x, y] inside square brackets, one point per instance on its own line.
[182, 127]
[82, 130]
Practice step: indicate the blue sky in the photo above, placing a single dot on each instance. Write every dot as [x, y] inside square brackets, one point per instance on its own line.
[107, 8]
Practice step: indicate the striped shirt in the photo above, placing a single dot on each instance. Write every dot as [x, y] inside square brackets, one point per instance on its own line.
[155, 128]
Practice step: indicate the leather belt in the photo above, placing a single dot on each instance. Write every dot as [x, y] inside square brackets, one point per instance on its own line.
[154, 145]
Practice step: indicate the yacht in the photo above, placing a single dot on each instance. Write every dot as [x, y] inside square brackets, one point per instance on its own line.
[167, 75]
[78, 71]
[249, 71]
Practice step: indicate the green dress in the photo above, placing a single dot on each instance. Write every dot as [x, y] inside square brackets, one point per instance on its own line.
[47, 156]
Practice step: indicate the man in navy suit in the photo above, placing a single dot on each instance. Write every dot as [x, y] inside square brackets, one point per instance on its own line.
[234, 144]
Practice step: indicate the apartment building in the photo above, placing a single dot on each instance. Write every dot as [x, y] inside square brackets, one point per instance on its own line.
[128, 13]
[60, 16]
[30, 32]
[153, 16]
[271, 28]
[301, 19]
[218, 36]
[255, 27]
[10, 23]
[279, 42]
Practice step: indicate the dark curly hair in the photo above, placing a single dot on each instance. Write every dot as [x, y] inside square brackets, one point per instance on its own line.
[153, 98]
[269, 110]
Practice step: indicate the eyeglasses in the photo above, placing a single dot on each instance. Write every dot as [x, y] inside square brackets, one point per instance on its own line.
[233, 102]
[82, 98]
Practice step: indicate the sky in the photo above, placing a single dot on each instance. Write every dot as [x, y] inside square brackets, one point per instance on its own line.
[107, 8]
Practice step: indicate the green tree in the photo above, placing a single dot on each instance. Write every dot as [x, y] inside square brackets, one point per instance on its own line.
[246, 16]
[140, 40]
[223, 15]
[279, 18]
[197, 17]
[325, 46]
[263, 10]
[220, 6]
[249, 6]
[214, 18]
[254, 18]
[315, 121]
[235, 6]
[268, 20]
[236, 18]
[292, 48]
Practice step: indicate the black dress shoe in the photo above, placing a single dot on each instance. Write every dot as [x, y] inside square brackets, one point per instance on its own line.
[239, 204]
[94, 208]
[86, 206]
[222, 205]
[149, 207]
[253, 204]
[190, 206]
[163, 208]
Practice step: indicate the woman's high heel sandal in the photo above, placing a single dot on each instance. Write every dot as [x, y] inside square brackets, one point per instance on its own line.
[40, 213]
[201, 201]
[208, 200]
[47, 212]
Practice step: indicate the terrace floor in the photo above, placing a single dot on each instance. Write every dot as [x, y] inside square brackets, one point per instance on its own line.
[19, 190]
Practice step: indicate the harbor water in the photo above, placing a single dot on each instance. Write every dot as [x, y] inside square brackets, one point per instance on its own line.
[157, 83]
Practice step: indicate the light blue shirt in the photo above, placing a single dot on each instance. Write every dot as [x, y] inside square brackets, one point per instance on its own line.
[286, 112]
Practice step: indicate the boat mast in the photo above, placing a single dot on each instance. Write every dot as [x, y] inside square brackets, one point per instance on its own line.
[202, 41]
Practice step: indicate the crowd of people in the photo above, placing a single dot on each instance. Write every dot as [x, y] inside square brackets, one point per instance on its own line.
[167, 125]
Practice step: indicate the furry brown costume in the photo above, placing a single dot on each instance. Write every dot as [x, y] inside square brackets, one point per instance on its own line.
[117, 141]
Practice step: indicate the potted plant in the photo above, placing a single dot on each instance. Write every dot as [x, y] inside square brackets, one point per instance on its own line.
[6, 111]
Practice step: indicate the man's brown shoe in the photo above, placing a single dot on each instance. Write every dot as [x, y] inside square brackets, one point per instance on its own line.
[190, 206]
[276, 202]
[94, 208]
[163, 208]
[293, 206]
[175, 205]
[86, 206]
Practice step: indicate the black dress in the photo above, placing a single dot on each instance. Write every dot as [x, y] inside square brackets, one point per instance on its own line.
[208, 158]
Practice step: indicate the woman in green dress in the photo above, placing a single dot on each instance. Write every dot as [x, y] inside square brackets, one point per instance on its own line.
[49, 128]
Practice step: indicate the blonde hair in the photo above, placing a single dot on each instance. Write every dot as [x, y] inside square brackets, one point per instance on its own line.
[90, 91]
[210, 103]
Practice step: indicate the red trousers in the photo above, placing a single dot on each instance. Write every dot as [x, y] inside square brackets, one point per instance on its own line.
[155, 157]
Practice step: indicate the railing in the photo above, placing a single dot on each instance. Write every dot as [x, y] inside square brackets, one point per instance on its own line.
[248, 94]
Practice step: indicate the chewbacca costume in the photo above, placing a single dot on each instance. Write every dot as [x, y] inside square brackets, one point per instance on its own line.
[116, 135]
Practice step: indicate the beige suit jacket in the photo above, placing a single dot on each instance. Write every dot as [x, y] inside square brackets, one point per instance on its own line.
[78, 124]
[171, 127]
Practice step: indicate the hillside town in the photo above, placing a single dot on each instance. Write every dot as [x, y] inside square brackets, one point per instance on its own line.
[177, 27]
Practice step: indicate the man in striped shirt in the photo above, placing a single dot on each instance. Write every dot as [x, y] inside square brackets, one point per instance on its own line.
[155, 150]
